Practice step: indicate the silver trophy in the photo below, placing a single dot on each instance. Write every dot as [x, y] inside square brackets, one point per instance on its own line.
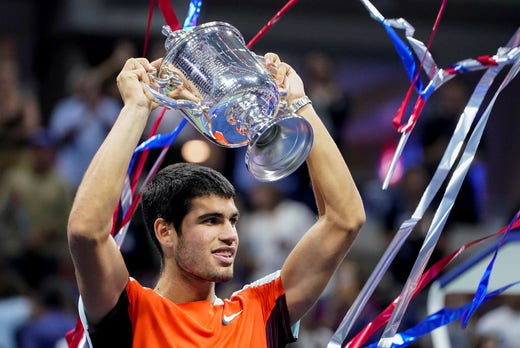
[240, 101]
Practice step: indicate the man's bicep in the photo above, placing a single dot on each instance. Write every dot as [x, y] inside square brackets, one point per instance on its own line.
[101, 275]
[308, 269]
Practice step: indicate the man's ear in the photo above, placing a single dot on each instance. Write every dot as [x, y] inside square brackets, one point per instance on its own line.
[165, 232]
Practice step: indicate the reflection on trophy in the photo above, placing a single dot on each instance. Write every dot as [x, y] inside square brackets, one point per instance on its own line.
[240, 103]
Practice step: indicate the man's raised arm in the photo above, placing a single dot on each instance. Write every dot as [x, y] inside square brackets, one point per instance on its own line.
[317, 255]
[100, 269]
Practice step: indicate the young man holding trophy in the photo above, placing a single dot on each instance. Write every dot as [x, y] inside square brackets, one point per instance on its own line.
[191, 215]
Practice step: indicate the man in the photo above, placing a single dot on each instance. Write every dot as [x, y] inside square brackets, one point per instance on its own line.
[193, 216]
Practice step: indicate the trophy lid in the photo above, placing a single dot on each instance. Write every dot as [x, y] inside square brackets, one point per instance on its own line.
[178, 37]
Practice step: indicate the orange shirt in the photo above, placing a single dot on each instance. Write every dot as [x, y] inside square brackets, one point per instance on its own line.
[254, 317]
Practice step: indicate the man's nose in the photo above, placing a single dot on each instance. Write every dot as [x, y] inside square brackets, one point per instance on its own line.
[229, 234]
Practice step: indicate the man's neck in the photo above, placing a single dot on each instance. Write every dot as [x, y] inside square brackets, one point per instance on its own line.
[181, 290]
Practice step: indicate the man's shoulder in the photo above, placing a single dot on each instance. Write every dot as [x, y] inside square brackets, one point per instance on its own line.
[135, 288]
[269, 281]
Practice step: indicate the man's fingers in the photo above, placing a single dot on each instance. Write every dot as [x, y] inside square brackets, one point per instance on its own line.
[272, 58]
[156, 63]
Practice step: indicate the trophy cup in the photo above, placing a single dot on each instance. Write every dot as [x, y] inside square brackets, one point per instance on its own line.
[240, 105]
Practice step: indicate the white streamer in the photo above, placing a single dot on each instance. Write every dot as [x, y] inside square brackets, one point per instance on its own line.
[444, 167]
[442, 213]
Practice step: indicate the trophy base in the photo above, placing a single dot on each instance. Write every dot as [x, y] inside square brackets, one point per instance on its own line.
[279, 148]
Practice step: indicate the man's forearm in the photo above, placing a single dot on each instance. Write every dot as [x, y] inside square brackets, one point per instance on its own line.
[103, 181]
[335, 191]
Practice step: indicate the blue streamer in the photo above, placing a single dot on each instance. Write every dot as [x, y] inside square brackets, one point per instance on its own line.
[406, 56]
[193, 14]
[163, 140]
[478, 299]
[440, 318]
[157, 141]
[428, 91]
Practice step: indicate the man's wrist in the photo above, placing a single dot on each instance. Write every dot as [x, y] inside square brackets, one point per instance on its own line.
[299, 103]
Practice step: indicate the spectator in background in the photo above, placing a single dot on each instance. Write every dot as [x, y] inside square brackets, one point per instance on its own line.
[327, 95]
[16, 305]
[487, 341]
[19, 113]
[34, 206]
[52, 317]
[502, 322]
[81, 120]
[271, 228]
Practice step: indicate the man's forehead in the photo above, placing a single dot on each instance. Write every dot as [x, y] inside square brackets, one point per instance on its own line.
[213, 202]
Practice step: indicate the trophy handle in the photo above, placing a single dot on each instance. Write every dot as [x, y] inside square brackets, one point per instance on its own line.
[272, 71]
[160, 87]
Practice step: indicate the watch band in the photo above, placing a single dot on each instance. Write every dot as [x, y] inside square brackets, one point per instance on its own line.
[299, 103]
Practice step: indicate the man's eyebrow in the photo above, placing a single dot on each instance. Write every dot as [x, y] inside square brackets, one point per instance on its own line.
[210, 215]
[216, 215]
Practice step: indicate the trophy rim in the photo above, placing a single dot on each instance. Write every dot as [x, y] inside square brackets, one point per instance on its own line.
[181, 36]
[292, 161]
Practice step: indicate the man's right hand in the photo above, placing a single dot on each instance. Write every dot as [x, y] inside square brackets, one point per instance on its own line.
[130, 83]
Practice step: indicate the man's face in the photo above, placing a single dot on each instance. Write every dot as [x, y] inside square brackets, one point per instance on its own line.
[208, 243]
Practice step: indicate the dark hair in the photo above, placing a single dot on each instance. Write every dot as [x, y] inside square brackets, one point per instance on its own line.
[170, 193]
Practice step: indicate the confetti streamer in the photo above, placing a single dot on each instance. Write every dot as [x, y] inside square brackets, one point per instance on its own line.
[271, 22]
[126, 208]
[508, 54]
[373, 327]
[193, 14]
[444, 209]
[480, 294]
[443, 317]
[436, 75]
[503, 57]
[407, 226]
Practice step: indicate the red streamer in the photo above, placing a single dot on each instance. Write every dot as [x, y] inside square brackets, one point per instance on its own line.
[148, 27]
[400, 112]
[487, 61]
[269, 24]
[376, 324]
[169, 14]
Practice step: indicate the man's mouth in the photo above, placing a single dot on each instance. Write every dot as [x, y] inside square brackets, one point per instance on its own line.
[225, 255]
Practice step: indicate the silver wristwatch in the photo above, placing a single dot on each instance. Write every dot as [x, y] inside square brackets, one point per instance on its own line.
[299, 103]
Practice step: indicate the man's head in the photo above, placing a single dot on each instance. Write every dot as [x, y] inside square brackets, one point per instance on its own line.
[170, 193]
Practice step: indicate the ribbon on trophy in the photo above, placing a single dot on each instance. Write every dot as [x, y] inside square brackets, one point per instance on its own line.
[494, 64]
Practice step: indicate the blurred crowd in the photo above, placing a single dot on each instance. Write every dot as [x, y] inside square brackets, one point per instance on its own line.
[43, 157]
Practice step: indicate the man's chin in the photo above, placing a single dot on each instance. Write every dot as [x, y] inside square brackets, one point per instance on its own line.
[223, 278]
